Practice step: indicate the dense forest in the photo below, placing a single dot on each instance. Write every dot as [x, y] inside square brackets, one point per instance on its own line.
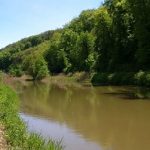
[112, 43]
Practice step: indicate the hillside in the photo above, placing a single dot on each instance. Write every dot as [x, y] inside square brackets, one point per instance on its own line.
[113, 38]
[15, 53]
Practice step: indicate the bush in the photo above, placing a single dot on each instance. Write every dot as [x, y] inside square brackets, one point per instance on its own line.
[128, 79]
[36, 67]
[147, 78]
[100, 79]
[140, 78]
[115, 78]
[16, 70]
[118, 78]
[121, 78]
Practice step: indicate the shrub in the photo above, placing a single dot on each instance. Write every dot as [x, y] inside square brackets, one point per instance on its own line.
[16, 70]
[115, 78]
[127, 79]
[147, 79]
[119, 78]
[36, 67]
[140, 78]
[122, 78]
[100, 79]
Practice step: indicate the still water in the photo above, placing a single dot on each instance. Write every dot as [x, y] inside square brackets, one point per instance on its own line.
[86, 117]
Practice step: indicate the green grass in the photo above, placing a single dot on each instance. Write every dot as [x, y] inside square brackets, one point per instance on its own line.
[15, 129]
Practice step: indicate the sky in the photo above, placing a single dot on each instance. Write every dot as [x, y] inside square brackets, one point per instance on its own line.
[23, 18]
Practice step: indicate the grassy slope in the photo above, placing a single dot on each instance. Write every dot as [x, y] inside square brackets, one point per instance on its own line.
[15, 129]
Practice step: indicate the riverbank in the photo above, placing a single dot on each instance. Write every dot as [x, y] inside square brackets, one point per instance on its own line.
[15, 132]
[3, 142]
[65, 80]
[140, 78]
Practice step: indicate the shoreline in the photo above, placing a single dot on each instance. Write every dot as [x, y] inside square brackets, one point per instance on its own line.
[3, 142]
[136, 79]
[15, 133]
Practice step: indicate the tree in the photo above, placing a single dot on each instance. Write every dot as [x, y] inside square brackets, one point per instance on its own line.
[36, 66]
[68, 43]
[83, 23]
[103, 42]
[5, 60]
[84, 47]
[141, 12]
[123, 41]
[55, 58]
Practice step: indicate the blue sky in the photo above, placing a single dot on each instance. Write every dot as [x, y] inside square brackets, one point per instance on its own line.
[22, 18]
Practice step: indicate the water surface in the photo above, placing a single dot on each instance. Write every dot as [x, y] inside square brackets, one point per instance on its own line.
[85, 117]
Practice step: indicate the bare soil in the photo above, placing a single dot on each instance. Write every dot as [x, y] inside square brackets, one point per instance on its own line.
[3, 142]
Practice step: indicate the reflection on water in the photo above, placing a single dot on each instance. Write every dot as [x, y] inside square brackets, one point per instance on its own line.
[88, 118]
[56, 130]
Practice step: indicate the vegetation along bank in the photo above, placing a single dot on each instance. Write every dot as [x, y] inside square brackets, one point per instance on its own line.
[14, 135]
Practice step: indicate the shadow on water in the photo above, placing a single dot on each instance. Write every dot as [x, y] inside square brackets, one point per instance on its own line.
[88, 118]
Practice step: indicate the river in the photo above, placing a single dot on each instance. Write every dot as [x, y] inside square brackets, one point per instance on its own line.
[86, 117]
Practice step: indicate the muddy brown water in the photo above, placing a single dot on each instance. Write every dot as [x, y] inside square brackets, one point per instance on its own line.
[86, 117]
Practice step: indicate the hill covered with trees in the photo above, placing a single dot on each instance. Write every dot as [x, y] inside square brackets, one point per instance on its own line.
[111, 41]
